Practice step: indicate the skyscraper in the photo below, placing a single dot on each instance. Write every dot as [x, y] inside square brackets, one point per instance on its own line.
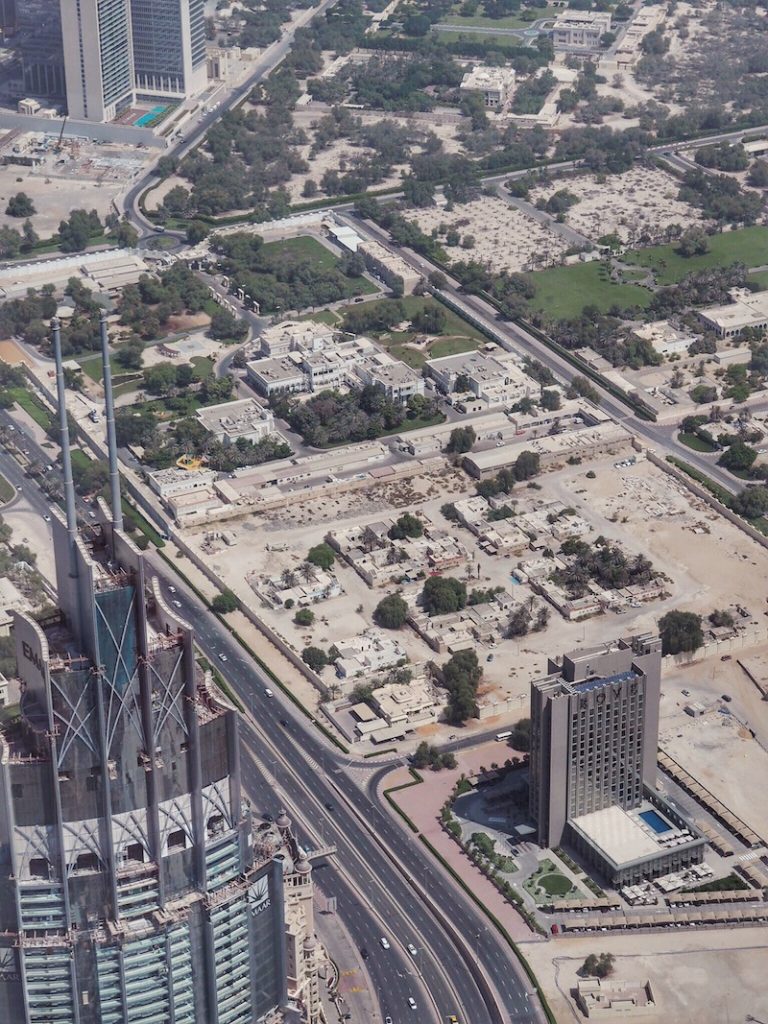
[130, 886]
[98, 62]
[38, 41]
[169, 47]
[594, 732]
[594, 743]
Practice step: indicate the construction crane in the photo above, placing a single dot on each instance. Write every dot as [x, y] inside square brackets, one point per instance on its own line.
[61, 134]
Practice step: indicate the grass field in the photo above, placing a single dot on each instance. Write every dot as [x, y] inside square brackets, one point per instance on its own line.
[322, 258]
[747, 245]
[696, 443]
[563, 292]
[760, 277]
[324, 316]
[79, 459]
[33, 406]
[479, 21]
[6, 490]
[451, 347]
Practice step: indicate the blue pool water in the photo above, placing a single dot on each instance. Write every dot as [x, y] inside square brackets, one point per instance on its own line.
[149, 116]
[656, 821]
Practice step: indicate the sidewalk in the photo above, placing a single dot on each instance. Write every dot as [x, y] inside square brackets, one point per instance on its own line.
[354, 988]
[422, 804]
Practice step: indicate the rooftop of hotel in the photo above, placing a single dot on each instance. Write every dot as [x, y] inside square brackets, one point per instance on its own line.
[624, 837]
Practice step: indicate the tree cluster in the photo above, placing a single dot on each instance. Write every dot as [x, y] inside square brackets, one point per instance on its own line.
[525, 467]
[461, 677]
[604, 564]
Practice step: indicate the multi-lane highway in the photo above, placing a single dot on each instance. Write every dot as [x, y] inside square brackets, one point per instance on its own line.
[385, 882]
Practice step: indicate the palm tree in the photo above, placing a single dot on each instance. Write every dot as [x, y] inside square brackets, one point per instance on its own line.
[288, 578]
[308, 572]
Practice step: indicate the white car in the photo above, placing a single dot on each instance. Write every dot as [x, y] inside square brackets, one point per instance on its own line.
[178, 605]
[412, 949]
[268, 693]
[412, 1002]
[47, 519]
[172, 590]
[222, 657]
[384, 942]
[387, 1020]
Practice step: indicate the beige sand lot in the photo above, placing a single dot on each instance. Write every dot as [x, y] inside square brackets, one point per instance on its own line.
[642, 200]
[704, 977]
[505, 238]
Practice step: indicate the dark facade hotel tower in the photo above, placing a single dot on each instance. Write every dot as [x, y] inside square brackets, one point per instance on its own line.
[130, 886]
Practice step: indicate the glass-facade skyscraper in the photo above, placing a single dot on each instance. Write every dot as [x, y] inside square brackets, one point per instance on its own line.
[130, 885]
[169, 46]
[96, 35]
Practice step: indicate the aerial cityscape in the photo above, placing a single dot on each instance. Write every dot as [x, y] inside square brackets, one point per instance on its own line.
[383, 511]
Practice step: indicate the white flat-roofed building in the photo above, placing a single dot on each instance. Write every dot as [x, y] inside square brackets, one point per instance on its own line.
[495, 85]
[494, 379]
[170, 482]
[396, 379]
[408, 704]
[232, 420]
[323, 370]
[580, 30]
[282, 376]
[367, 653]
[293, 336]
[665, 339]
[749, 310]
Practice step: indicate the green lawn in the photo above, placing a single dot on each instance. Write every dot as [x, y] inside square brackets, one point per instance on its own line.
[760, 277]
[563, 292]
[79, 459]
[451, 347]
[309, 248]
[203, 366]
[324, 316]
[747, 245]
[410, 356]
[33, 406]
[555, 884]
[479, 21]
[698, 444]
[6, 490]
[91, 366]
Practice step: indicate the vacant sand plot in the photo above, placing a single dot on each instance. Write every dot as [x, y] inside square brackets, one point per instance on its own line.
[639, 202]
[697, 978]
[504, 238]
[53, 198]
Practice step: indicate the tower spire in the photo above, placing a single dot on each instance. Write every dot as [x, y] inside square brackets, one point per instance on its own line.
[66, 457]
[114, 474]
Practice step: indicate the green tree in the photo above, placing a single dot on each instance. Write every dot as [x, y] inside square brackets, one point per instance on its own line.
[407, 525]
[226, 327]
[304, 617]
[550, 400]
[461, 674]
[461, 440]
[224, 602]
[76, 232]
[20, 205]
[680, 632]
[197, 231]
[391, 612]
[737, 457]
[314, 658]
[443, 594]
[160, 379]
[751, 503]
[321, 555]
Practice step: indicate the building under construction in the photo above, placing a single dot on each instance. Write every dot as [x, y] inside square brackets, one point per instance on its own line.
[130, 886]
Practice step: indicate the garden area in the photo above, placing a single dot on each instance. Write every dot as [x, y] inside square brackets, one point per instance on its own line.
[547, 883]
[745, 245]
[563, 292]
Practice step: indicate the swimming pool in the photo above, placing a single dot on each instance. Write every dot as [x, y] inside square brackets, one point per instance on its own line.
[151, 115]
[657, 823]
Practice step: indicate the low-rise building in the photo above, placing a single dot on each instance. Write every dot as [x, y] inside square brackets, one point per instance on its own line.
[276, 591]
[493, 379]
[323, 370]
[388, 266]
[271, 377]
[495, 85]
[170, 482]
[580, 30]
[665, 339]
[367, 653]
[472, 512]
[591, 441]
[396, 379]
[749, 309]
[230, 421]
[296, 336]
[599, 998]
[408, 705]
[742, 354]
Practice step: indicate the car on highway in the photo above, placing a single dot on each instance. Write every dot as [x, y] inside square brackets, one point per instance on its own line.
[384, 942]
[412, 949]
[329, 806]
[171, 590]
[177, 604]
[47, 519]
[412, 1002]
[387, 1020]
[222, 657]
[364, 953]
[285, 723]
[268, 693]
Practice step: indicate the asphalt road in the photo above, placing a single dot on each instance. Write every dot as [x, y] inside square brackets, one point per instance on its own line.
[388, 864]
